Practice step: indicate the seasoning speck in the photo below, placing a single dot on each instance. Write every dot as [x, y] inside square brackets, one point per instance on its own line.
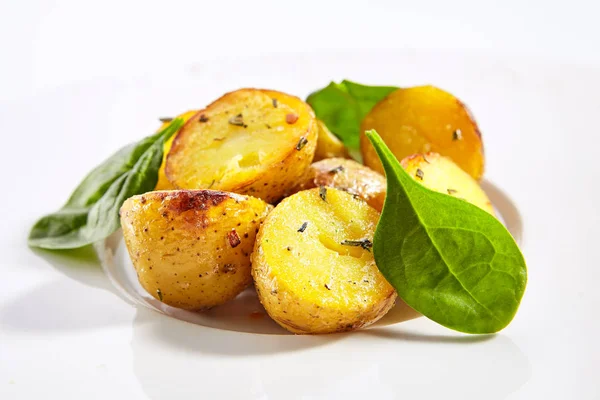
[339, 168]
[451, 191]
[211, 184]
[303, 227]
[327, 287]
[323, 193]
[291, 118]
[301, 143]
[165, 119]
[365, 243]
[159, 294]
[203, 118]
[457, 135]
[234, 239]
[274, 102]
[420, 174]
[227, 268]
[238, 120]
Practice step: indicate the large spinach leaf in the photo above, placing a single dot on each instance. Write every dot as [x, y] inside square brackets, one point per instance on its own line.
[92, 211]
[448, 259]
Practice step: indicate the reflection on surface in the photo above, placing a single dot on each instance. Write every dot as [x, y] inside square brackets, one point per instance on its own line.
[174, 359]
[84, 301]
[63, 305]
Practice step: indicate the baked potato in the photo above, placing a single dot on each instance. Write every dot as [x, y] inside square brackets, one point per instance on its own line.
[441, 174]
[423, 119]
[312, 264]
[328, 145]
[251, 141]
[346, 175]
[163, 183]
[191, 248]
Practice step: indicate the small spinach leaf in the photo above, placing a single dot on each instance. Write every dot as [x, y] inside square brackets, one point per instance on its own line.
[342, 107]
[92, 211]
[448, 259]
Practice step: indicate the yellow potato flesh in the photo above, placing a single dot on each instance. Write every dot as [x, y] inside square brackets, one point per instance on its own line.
[328, 145]
[443, 175]
[309, 282]
[252, 141]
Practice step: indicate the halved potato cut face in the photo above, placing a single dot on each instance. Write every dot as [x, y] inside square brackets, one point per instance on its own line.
[249, 141]
[441, 174]
[313, 266]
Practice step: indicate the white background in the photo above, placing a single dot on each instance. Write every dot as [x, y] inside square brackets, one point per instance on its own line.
[63, 332]
[48, 43]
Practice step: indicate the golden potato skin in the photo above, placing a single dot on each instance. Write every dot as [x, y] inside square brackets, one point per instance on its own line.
[423, 119]
[191, 248]
[251, 141]
[163, 183]
[346, 175]
[328, 145]
[441, 174]
[305, 278]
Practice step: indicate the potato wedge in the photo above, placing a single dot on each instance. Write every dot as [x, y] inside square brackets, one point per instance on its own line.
[328, 145]
[250, 141]
[441, 174]
[423, 119]
[163, 183]
[312, 265]
[346, 175]
[191, 249]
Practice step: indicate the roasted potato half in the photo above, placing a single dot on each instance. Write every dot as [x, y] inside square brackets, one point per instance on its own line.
[251, 141]
[328, 145]
[441, 174]
[346, 175]
[191, 248]
[163, 183]
[423, 119]
[313, 267]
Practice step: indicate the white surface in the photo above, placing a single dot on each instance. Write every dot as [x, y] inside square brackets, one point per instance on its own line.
[78, 82]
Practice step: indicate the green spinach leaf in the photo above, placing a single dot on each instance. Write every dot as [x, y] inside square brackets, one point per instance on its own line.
[448, 259]
[92, 211]
[342, 107]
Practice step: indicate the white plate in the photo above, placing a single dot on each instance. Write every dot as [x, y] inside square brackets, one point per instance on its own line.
[65, 329]
[245, 313]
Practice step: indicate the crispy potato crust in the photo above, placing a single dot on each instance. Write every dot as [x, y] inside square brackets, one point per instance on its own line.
[251, 141]
[191, 248]
[312, 265]
[346, 175]
[163, 183]
[423, 119]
